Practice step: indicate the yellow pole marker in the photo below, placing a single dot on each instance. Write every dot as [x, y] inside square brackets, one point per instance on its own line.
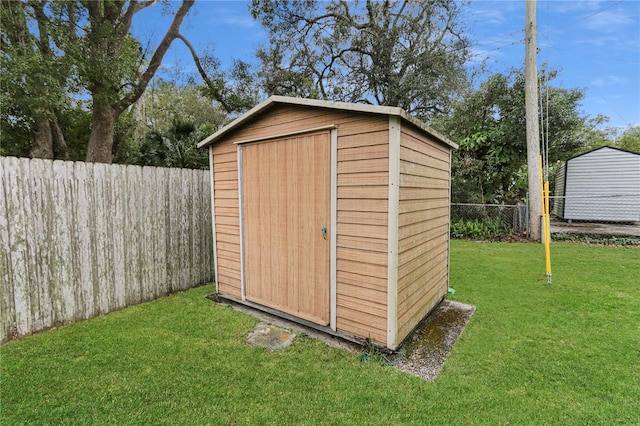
[547, 233]
[545, 223]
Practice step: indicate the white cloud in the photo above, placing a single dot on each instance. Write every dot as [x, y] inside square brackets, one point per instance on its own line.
[608, 21]
[607, 80]
[245, 20]
[490, 16]
[584, 6]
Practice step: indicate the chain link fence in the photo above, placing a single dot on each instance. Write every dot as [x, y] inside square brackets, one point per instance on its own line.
[480, 221]
[487, 220]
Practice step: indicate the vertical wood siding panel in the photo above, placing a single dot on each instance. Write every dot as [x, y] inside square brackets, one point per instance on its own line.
[62, 250]
[191, 227]
[108, 237]
[88, 227]
[48, 236]
[185, 235]
[141, 230]
[102, 204]
[194, 230]
[174, 229]
[81, 239]
[127, 242]
[6, 298]
[117, 178]
[18, 246]
[160, 253]
[79, 288]
[150, 226]
[82, 259]
[207, 258]
[29, 172]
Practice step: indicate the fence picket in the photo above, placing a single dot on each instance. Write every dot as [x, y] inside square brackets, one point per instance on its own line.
[174, 231]
[18, 247]
[117, 179]
[6, 301]
[149, 226]
[81, 239]
[160, 241]
[84, 273]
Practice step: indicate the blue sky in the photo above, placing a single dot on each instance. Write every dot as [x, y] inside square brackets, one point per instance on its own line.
[594, 44]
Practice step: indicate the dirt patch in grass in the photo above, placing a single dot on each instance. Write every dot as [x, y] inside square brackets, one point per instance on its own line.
[425, 351]
[270, 337]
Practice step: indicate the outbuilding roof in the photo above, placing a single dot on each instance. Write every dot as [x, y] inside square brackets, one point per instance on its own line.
[344, 106]
[604, 149]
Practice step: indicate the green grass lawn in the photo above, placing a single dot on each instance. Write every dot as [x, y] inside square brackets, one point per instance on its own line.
[568, 353]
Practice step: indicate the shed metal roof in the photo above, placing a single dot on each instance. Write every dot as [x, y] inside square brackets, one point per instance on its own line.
[603, 149]
[344, 106]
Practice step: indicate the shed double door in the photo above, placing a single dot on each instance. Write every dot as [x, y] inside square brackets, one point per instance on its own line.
[286, 208]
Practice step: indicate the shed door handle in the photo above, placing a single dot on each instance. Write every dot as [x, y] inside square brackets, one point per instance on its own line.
[324, 232]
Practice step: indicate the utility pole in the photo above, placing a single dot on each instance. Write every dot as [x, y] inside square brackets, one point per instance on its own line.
[532, 119]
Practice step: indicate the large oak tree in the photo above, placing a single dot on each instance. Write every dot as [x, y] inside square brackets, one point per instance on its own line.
[93, 39]
[397, 53]
[110, 62]
[33, 79]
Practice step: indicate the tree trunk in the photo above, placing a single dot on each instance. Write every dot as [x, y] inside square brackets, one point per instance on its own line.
[59, 143]
[42, 146]
[103, 123]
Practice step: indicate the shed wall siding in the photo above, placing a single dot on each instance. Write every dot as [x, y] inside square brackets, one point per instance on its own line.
[423, 232]
[227, 224]
[363, 162]
[613, 175]
[362, 186]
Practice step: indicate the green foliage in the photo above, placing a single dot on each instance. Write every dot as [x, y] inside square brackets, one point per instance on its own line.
[76, 127]
[373, 353]
[166, 101]
[177, 147]
[489, 125]
[479, 228]
[236, 90]
[406, 54]
[629, 139]
[608, 240]
[55, 51]
[532, 353]
[34, 80]
[171, 120]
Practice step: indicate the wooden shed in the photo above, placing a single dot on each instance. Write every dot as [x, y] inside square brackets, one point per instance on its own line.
[601, 185]
[332, 213]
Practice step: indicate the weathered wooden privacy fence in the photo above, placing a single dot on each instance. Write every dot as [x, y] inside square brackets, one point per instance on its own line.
[80, 239]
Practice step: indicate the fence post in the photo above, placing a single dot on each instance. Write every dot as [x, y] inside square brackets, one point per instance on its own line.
[526, 212]
[519, 218]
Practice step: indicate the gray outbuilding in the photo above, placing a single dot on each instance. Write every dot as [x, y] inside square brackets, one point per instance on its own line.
[602, 185]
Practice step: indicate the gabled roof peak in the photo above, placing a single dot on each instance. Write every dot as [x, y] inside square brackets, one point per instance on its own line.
[344, 106]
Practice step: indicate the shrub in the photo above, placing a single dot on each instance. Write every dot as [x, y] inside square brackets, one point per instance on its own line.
[479, 229]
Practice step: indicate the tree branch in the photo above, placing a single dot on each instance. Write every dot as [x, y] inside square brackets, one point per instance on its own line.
[171, 34]
[134, 7]
[215, 89]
